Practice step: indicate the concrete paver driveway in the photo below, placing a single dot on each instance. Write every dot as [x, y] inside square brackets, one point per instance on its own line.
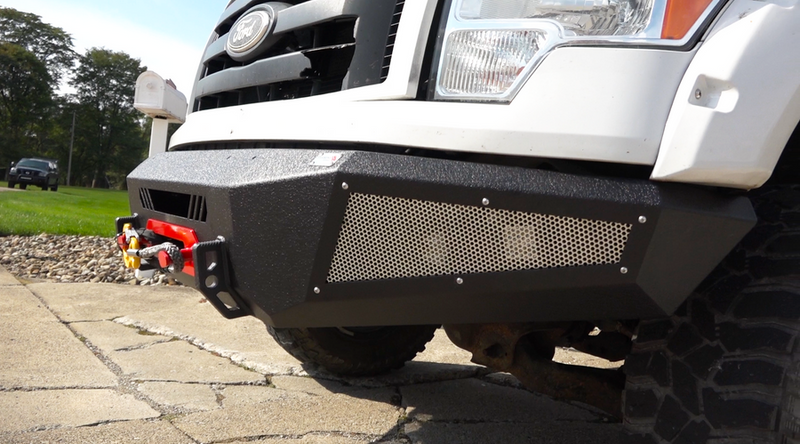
[102, 363]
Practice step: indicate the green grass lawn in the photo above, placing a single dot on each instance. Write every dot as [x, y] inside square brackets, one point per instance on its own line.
[70, 210]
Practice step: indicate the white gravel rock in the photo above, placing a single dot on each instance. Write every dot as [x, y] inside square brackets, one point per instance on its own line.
[60, 258]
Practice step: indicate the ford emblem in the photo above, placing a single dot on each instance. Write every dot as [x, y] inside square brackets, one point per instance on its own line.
[248, 32]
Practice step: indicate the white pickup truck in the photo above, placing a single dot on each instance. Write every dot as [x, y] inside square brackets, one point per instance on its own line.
[617, 176]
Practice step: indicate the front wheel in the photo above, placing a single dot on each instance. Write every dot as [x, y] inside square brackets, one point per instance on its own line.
[355, 351]
[11, 184]
[23, 186]
[54, 188]
[726, 366]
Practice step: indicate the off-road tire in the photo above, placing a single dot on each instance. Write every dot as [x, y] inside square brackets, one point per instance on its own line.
[11, 184]
[54, 188]
[355, 352]
[726, 366]
[23, 186]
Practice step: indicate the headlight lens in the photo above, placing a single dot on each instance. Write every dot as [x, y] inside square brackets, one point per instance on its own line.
[487, 62]
[13, 171]
[491, 46]
[578, 17]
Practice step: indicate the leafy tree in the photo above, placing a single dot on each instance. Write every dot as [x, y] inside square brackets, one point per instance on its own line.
[110, 131]
[50, 44]
[25, 101]
[34, 57]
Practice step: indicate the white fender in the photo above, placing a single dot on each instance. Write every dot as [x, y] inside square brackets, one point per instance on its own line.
[739, 101]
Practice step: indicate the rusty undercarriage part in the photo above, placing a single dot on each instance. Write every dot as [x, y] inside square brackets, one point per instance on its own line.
[526, 351]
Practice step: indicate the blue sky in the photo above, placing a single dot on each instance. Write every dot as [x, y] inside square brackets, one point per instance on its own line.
[168, 36]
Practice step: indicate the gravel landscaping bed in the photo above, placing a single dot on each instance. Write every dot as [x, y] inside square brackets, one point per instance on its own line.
[58, 258]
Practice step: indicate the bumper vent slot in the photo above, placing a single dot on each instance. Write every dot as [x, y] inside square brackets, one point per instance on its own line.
[189, 206]
[391, 238]
[319, 54]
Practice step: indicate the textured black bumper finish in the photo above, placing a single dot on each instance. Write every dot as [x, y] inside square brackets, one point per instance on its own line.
[281, 218]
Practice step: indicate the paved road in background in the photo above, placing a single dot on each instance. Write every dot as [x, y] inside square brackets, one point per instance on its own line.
[103, 363]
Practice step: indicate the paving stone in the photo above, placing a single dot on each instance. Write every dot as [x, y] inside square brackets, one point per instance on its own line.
[173, 311]
[249, 395]
[474, 400]
[505, 379]
[68, 408]
[109, 336]
[140, 432]
[299, 410]
[6, 278]
[100, 302]
[179, 361]
[441, 350]
[282, 413]
[574, 357]
[315, 438]
[190, 397]
[244, 340]
[308, 385]
[510, 433]
[39, 351]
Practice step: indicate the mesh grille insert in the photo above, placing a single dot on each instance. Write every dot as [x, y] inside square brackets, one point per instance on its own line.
[390, 238]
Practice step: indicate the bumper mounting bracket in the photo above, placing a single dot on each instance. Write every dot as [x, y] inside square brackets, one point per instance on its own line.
[212, 279]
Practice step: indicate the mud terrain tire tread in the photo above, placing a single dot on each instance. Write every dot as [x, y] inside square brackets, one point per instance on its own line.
[726, 366]
[358, 354]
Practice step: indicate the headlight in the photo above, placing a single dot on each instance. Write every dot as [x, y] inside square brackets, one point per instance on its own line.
[491, 46]
[13, 171]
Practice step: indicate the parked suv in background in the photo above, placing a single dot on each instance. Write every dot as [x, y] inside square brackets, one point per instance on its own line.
[40, 172]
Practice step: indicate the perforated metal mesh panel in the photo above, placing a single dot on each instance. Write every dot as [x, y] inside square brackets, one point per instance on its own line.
[389, 237]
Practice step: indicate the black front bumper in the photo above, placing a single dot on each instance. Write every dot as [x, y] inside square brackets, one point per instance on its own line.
[379, 239]
[38, 181]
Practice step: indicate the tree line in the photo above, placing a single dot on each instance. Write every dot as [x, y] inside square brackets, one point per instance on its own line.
[36, 60]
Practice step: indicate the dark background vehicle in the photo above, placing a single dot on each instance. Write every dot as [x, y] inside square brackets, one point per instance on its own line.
[40, 172]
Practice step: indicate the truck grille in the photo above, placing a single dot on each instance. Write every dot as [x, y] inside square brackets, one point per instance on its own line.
[317, 53]
[390, 238]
